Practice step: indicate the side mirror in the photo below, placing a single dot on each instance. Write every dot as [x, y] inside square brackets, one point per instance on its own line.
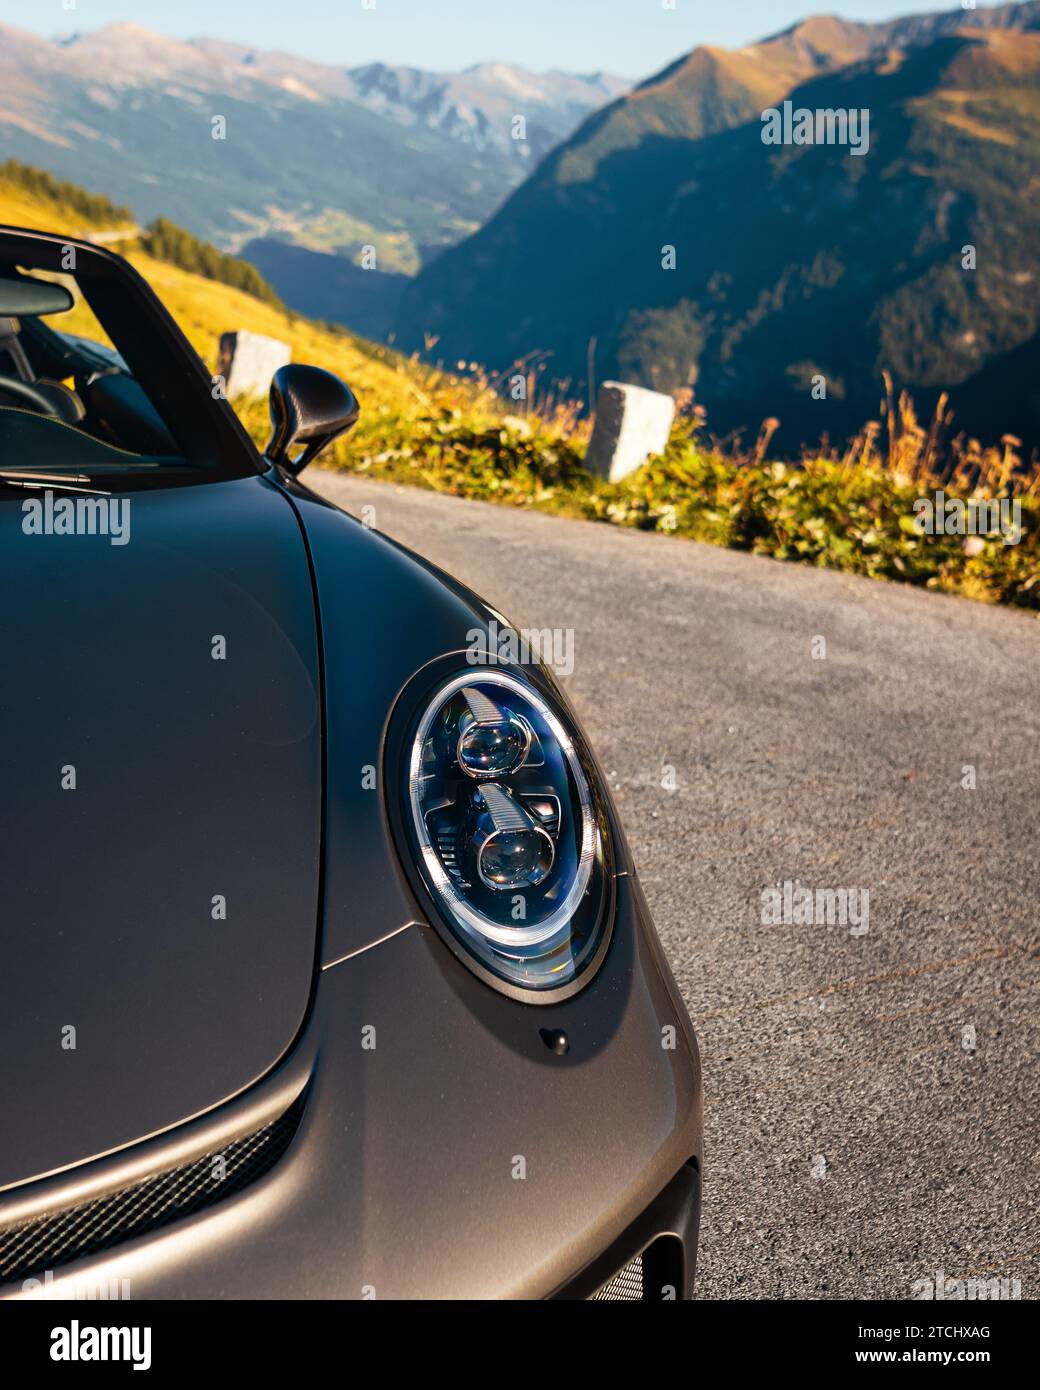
[309, 406]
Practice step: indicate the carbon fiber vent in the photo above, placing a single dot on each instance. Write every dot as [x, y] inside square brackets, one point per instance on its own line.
[60, 1237]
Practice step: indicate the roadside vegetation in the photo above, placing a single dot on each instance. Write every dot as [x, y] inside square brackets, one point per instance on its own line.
[849, 510]
[451, 432]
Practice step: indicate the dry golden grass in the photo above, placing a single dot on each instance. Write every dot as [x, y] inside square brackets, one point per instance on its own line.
[928, 457]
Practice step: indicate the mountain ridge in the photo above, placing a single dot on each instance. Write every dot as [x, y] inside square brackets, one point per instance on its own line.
[777, 249]
[406, 165]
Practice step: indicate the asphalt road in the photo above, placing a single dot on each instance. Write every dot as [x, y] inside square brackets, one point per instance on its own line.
[859, 1135]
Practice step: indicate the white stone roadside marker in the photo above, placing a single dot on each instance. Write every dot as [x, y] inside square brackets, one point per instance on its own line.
[248, 361]
[631, 424]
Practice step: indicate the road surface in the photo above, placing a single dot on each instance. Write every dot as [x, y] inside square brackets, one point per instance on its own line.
[871, 1098]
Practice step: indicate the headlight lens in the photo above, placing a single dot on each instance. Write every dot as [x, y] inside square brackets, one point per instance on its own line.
[509, 834]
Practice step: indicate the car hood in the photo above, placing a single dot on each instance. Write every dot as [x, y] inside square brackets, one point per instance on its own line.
[160, 816]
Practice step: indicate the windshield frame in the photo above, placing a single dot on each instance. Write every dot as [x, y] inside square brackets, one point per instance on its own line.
[209, 434]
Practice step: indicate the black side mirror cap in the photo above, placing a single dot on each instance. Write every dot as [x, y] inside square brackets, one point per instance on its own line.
[309, 406]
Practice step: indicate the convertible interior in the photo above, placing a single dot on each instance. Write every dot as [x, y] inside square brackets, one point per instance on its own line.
[66, 402]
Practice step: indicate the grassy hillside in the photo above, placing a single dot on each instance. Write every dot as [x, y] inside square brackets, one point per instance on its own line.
[452, 433]
[30, 197]
[41, 191]
[167, 242]
[204, 308]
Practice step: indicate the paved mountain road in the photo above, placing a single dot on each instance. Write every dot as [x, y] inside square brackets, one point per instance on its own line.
[859, 1135]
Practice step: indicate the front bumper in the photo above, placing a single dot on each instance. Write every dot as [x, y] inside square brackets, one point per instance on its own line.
[442, 1150]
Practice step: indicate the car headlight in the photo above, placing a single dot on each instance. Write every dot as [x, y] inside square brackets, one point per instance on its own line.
[507, 830]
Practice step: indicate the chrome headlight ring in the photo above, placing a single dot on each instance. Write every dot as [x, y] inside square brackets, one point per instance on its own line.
[501, 820]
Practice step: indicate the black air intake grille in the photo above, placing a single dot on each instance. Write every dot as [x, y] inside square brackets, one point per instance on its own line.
[63, 1236]
[627, 1283]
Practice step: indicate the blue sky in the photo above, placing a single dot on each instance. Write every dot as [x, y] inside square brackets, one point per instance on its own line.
[633, 37]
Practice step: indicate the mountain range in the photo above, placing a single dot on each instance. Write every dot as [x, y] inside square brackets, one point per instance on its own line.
[666, 243]
[330, 157]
